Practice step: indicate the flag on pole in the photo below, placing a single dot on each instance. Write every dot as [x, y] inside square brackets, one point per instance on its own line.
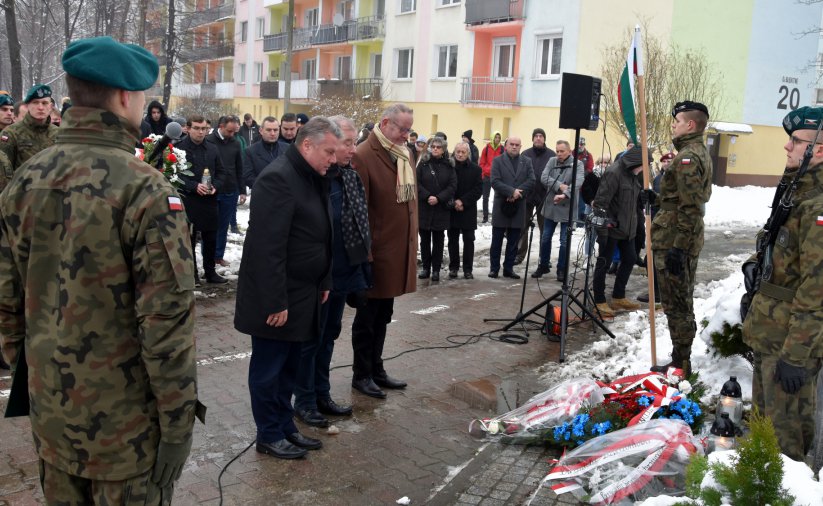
[625, 90]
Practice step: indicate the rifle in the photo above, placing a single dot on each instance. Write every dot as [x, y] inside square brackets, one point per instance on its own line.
[754, 271]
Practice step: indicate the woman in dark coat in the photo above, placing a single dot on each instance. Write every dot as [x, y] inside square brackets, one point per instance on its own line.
[464, 212]
[436, 182]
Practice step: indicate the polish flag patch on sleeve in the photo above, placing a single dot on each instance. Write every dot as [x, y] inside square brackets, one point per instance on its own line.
[4, 138]
[175, 204]
[820, 220]
[686, 161]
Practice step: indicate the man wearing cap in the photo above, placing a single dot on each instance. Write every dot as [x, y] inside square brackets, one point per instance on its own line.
[540, 155]
[783, 322]
[6, 111]
[96, 301]
[474, 154]
[22, 140]
[677, 229]
[302, 119]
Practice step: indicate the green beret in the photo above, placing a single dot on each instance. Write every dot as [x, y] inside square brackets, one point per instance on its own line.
[805, 118]
[37, 91]
[6, 100]
[105, 61]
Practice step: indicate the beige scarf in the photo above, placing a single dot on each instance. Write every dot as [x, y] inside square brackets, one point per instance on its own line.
[405, 172]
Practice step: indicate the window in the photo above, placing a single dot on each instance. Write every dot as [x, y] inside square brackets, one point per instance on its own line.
[408, 6]
[259, 27]
[312, 16]
[549, 48]
[310, 70]
[346, 9]
[443, 3]
[819, 96]
[342, 68]
[446, 61]
[405, 63]
[242, 73]
[503, 64]
[377, 65]
[258, 73]
[244, 31]
[380, 8]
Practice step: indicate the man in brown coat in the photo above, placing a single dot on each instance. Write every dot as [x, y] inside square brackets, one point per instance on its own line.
[386, 167]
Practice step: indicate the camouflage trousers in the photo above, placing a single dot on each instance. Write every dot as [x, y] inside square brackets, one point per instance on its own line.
[61, 488]
[677, 296]
[792, 415]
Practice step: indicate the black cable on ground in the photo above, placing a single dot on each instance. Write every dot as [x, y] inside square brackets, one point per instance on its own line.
[220, 476]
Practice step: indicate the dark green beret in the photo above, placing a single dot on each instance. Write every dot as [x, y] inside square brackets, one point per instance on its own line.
[688, 105]
[105, 61]
[805, 118]
[37, 91]
[6, 100]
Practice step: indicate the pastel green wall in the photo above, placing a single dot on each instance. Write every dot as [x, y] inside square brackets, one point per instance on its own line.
[721, 30]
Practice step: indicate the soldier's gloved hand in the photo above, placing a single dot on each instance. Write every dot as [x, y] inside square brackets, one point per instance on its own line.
[648, 197]
[790, 376]
[675, 261]
[169, 464]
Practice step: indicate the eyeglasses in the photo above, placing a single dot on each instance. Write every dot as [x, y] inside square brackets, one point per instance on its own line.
[437, 147]
[202, 129]
[402, 129]
[797, 140]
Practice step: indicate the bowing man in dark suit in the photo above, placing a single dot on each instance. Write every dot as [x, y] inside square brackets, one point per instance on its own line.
[285, 275]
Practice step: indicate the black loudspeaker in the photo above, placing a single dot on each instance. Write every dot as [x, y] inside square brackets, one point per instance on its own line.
[580, 101]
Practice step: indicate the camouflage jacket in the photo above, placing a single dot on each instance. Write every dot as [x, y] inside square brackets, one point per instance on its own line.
[20, 141]
[786, 317]
[96, 281]
[5, 170]
[685, 188]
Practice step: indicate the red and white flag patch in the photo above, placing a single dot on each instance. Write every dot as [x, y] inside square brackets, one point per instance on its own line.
[820, 220]
[4, 138]
[686, 161]
[175, 204]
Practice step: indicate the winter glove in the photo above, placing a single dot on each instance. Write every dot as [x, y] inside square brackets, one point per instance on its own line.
[357, 300]
[648, 197]
[675, 261]
[790, 376]
[169, 464]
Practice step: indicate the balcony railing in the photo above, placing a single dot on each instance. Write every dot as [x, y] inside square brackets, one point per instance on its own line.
[493, 11]
[216, 90]
[359, 88]
[211, 15]
[270, 89]
[366, 28]
[490, 91]
[209, 52]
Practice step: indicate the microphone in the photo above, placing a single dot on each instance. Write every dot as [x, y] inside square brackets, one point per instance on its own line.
[173, 133]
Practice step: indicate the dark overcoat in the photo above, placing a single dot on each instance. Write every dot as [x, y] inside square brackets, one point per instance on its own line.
[393, 224]
[469, 190]
[509, 175]
[435, 177]
[201, 209]
[258, 156]
[287, 255]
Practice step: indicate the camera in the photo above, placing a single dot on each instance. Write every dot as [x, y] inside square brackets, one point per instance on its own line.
[599, 219]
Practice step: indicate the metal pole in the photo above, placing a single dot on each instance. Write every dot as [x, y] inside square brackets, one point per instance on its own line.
[289, 50]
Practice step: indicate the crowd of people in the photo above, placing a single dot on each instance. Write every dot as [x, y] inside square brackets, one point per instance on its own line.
[99, 261]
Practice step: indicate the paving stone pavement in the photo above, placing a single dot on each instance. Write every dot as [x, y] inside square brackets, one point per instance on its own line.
[413, 444]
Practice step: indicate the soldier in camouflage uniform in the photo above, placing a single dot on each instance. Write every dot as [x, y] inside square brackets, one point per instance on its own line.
[6, 110]
[96, 294]
[677, 229]
[24, 139]
[784, 320]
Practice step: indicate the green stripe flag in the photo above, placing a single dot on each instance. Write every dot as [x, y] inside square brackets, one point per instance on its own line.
[625, 90]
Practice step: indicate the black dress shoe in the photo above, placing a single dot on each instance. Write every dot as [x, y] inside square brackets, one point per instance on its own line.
[386, 381]
[468, 275]
[309, 443]
[492, 274]
[518, 260]
[436, 276]
[452, 274]
[424, 274]
[282, 449]
[216, 279]
[329, 407]
[311, 417]
[511, 274]
[367, 386]
[613, 268]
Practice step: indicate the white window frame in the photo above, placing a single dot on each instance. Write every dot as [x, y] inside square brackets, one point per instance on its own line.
[244, 31]
[450, 48]
[312, 17]
[346, 9]
[447, 3]
[338, 67]
[258, 72]
[538, 59]
[376, 65]
[259, 27]
[411, 6]
[497, 45]
[310, 69]
[409, 69]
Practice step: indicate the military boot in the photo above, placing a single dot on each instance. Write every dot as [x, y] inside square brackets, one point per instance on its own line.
[605, 310]
[676, 361]
[625, 304]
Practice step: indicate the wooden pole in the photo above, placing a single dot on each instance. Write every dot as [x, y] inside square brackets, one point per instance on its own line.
[644, 143]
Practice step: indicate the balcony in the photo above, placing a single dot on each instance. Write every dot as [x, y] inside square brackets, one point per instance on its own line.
[279, 41]
[329, 34]
[367, 28]
[372, 27]
[491, 91]
[216, 90]
[211, 15]
[301, 89]
[270, 89]
[207, 52]
[359, 88]
[493, 11]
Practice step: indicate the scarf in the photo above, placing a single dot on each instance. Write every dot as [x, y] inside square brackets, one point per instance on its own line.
[405, 172]
[354, 217]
